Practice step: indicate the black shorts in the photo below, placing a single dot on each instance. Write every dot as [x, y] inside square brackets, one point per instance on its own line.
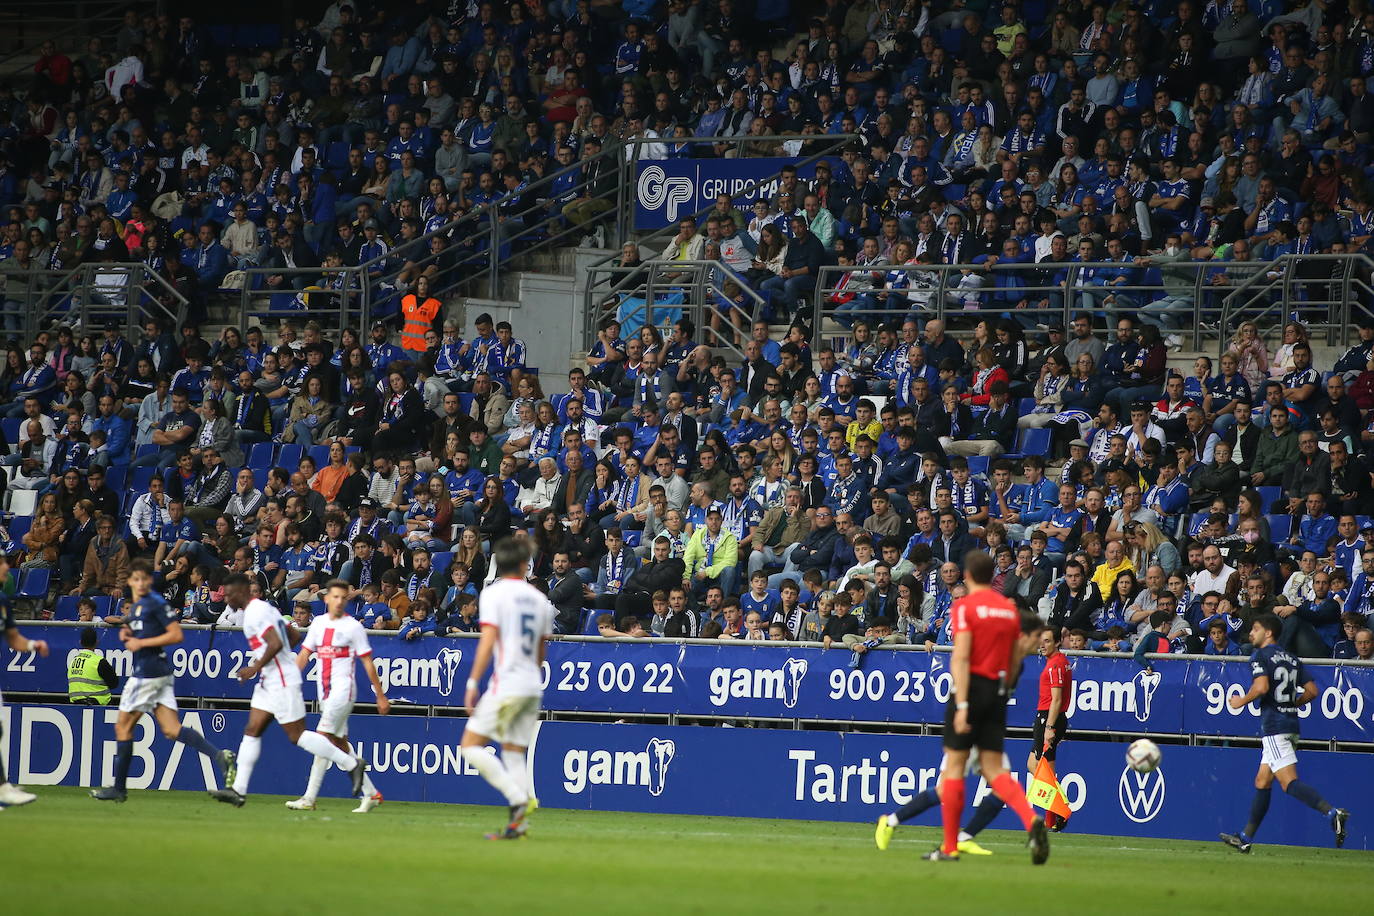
[1061, 727]
[987, 714]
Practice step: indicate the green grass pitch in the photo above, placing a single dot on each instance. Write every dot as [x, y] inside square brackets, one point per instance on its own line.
[175, 852]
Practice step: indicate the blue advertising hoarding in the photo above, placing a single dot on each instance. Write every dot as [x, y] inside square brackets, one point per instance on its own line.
[746, 680]
[1195, 793]
[669, 189]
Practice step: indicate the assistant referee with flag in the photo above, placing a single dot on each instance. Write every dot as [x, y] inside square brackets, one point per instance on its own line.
[1051, 724]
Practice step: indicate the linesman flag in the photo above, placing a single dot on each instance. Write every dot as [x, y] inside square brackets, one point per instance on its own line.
[1045, 792]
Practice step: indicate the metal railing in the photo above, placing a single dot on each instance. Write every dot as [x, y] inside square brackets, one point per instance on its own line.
[478, 247]
[24, 26]
[1320, 288]
[90, 294]
[695, 289]
[334, 307]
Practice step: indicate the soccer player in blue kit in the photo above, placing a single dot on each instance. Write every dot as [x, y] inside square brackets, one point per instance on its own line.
[1282, 687]
[11, 796]
[151, 627]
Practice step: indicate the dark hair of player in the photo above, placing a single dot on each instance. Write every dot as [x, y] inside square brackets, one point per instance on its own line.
[141, 566]
[1270, 622]
[237, 579]
[978, 568]
[337, 583]
[512, 557]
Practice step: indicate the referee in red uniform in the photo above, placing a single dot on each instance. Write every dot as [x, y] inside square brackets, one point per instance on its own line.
[1051, 719]
[986, 658]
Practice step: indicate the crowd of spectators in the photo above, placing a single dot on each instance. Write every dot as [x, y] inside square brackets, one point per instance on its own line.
[670, 493]
[772, 498]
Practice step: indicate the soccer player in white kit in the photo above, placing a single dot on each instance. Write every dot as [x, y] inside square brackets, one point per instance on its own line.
[276, 696]
[337, 639]
[516, 621]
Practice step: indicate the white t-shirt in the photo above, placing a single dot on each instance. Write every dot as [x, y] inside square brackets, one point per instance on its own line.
[281, 672]
[337, 643]
[523, 617]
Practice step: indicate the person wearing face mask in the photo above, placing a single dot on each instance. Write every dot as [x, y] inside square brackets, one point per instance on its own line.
[1179, 281]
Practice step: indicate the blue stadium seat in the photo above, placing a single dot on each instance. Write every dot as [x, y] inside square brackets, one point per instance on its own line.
[33, 583]
[260, 477]
[10, 426]
[148, 448]
[1280, 527]
[1269, 496]
[319, 454]
[336, 155]
[106, 605]
[290, 456]
[115, 477]
[138, 480]
[1025, 406]
[978, 465]
[260, 454]
[65, 608]
[1031, 442]
[465, 401]
[441, 561]
[19, 526]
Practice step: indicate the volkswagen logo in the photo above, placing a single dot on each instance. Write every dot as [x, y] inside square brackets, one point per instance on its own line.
[1141, 794]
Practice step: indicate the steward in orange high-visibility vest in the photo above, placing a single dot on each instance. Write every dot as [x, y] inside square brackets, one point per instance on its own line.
[419, 310]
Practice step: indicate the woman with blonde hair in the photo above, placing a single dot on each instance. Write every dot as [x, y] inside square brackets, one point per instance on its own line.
[1251, 355]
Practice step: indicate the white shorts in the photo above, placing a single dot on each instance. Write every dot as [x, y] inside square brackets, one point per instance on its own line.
[144, 694]
[334, 715]
[510, 720]
[974, 764]
[1278, 751]
[284, 703]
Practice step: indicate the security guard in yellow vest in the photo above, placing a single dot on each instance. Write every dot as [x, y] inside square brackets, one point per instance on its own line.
[90, 679]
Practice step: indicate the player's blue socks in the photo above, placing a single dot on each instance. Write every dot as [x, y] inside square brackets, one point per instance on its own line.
[983, 815]
[1308, 796]
[1259, 807]
[926, 800]
[196, 741]
[124, 755]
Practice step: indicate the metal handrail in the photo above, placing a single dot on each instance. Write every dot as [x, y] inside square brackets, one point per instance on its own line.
[78, 21]
[54, 297]
[1281, 272]
[940, 307]
[625, 206]
[349, 311]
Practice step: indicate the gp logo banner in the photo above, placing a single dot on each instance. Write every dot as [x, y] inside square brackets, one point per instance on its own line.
[670, 189]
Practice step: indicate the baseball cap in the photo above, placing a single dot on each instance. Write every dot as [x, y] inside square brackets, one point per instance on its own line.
[367, 502]
[1078, 442]
[1207, 202]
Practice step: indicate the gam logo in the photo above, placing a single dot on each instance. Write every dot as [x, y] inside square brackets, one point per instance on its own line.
[1141, 794]
[449, 660]
[656, 190]
[647, 768]
[782, 683]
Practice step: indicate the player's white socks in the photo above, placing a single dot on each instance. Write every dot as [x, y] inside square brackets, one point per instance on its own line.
[491, 769]
[320, 746]
[318, 767]
[515, 766]
[249, 749]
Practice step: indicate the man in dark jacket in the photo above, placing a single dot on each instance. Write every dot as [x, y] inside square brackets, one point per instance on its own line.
[566, 593]
[575, 485]
[1075, 600]
[994, 432]
[660, 574]
[800, 265]
[289, 253]
[815, 552]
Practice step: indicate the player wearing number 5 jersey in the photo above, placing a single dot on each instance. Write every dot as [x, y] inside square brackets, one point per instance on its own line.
[1282, 687]
[277, 694]
[516, 621]
[338, 642]
[151, 627]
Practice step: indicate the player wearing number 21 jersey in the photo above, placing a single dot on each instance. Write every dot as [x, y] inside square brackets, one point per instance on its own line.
[517, 621]
[1282, 687]
[339, 643]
